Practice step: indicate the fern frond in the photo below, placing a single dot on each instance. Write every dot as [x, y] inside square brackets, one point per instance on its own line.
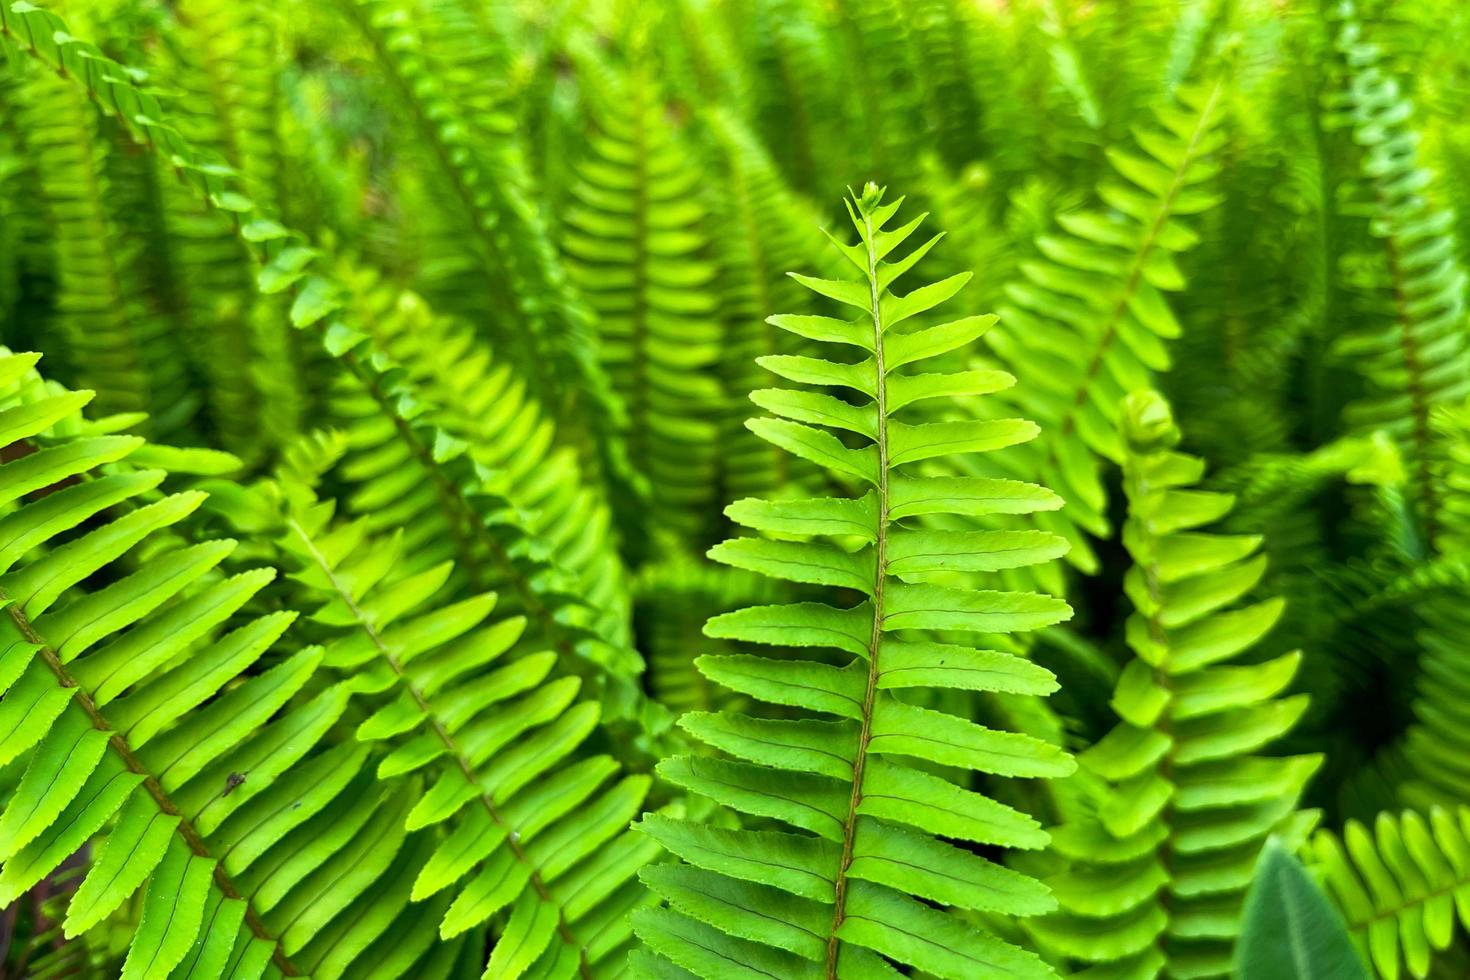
[942, 34]
[529, 819]
[1401, 885]
[1420, 358]
[1088, 321]
[17, 218]
[844, 887]
[140, 696]
[236, 44]
[636, 236]
[1182, 805]
[1068, 70]
[404, 471]
[673, 601]
[470, 506]
[406, 415]
[1438, 743]
[697, 56]
[1237, 367]
[533, 313]
[111, 341]
[873, 40]
[795, 90]
[236, 114]
[560, 514]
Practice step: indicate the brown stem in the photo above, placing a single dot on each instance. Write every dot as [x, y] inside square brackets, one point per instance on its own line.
[875, 639]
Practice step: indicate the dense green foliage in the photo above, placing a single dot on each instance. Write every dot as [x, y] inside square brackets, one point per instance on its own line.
[395, 582]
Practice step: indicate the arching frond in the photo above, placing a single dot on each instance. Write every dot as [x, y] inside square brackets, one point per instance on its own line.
[763, 230]
[1089, 321]
[1437, 745]
[232, 106]
[555, 517]
[1419, 356]
[402, 471]
[144, 698]
[405, 415]
[531, 308]
[674, 599]
[528, 819]
[112, 341]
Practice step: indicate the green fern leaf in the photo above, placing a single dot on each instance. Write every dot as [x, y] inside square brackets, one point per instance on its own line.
[1088, 321]
[243, 344]
[1400, 885]
[636, 240]
[405, 414]
[527, 819]
[154, 704]
[1180, 806]
[113, 342]
[491, 201]
[841, 894]
[1419, 359]
[761, 225]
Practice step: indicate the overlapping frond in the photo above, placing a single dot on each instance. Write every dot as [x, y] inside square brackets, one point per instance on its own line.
[673, 601]
[428, 470]
[560, 515]
[1181, 803]
[143, 695]
[763, 230]
[795, 88]
[1403, 885]
[112, 341]
[1437, 745]
[847, 829]
[405, 416]
[242, 340]
[1089, 320]
[529, 822]
[530, 307]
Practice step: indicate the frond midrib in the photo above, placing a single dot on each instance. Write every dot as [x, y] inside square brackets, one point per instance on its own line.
[880, 576]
